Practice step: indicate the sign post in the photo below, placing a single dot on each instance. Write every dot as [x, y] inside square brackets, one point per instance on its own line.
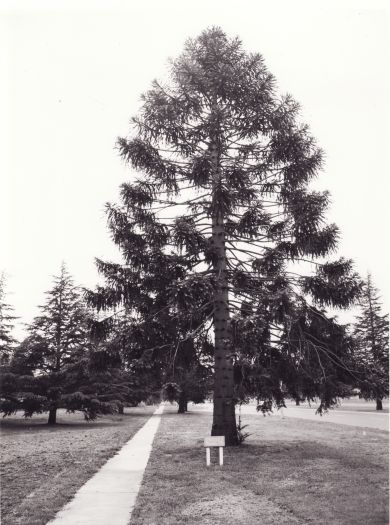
[214, 441]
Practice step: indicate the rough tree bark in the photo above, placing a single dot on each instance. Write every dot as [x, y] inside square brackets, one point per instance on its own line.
[52, 416]
[224, 418]
[183, 403]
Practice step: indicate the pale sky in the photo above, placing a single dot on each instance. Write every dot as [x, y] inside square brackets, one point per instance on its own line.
[71, 77]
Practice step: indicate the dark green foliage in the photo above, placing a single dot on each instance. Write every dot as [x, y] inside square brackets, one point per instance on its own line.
[57, 366]
[7, 341]
[303, 355]
[218, 231]
[371, 334]
[240, 427]
[158, 359]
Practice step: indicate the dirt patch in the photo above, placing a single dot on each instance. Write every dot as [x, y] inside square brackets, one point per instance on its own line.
[239, 509]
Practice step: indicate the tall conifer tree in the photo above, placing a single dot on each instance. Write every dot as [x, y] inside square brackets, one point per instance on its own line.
[57, 366]
[59, 335]
[7, 340]
[371, 333]
[211, 229]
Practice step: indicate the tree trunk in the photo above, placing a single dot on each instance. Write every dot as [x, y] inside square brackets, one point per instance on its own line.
[297, 402]
[224, 417]
[120, 409]
[183, 403]
[52, 416]
[379, 405]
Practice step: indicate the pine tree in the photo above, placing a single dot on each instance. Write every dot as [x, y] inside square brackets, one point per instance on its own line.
[7, 340]
[189, 379]
[215, 230]
[121, 338]
[57, 366]
[60, 334]
[142, 342]
[371, 331]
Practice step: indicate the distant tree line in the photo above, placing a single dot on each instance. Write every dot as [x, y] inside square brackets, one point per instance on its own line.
[64, 363]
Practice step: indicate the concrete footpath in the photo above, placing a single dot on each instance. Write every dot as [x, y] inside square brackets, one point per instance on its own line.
[110, 495]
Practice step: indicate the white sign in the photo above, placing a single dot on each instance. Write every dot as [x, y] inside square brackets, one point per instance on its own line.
[214, 441]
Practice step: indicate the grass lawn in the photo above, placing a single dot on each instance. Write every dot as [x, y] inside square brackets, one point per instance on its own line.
[289, 471]
[42, 467]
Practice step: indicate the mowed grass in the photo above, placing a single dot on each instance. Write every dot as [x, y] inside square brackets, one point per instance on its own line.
[289, 471]
[42, 467]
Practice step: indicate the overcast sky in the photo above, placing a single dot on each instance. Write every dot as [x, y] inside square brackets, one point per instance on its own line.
[71, 78]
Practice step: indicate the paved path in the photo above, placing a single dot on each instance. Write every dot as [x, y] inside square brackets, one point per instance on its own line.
[341, 416]
[109, 496]
[358, 414]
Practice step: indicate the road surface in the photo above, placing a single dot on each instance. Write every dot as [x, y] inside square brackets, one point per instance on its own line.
[353, 412]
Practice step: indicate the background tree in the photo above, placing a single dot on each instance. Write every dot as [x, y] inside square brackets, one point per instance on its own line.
[190, 379]
[371, 332]
[141, 374]
[57, 366]
[160, 350]
[7, 340]
[222, 220]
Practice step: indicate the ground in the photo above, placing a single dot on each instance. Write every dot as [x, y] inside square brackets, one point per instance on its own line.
[289, 471]
[353, 412]
[42, 467]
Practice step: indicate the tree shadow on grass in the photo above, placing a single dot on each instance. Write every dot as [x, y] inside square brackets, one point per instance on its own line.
[39, 423]
[42, 426]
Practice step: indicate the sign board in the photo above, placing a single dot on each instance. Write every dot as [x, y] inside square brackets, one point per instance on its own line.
[214, 441]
